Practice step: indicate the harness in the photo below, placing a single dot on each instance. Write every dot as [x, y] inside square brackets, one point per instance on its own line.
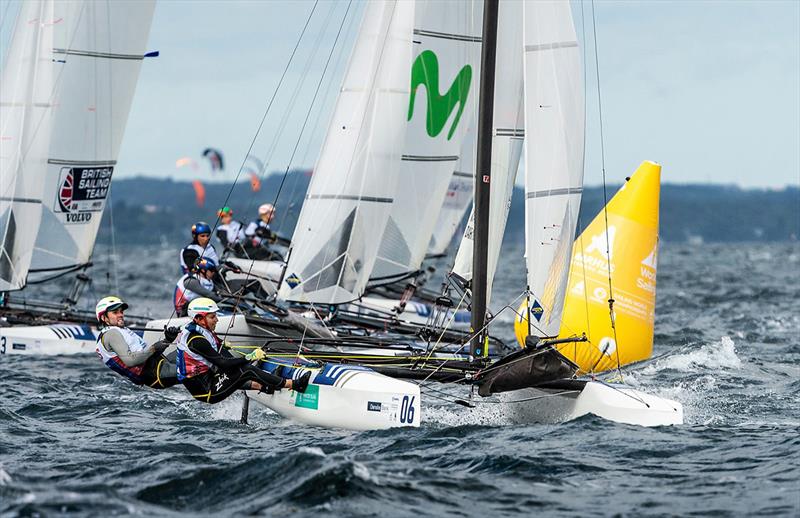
[191, 364]
[112, 359]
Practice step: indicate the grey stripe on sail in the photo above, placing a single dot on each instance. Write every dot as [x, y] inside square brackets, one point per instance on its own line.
[510, 132]
[22, 105]
[373, 199]
[19, 200]
[447, 36]
[95, 163]
[429, 158]
[93, 54]
[462, 174]
[554, 192]
[551, 46]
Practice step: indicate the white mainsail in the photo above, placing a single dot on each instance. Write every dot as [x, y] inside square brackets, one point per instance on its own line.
[554, 122]
[506, 142]
[441, 106]
[351, 193]
[97, 53]
[458, 198]
[26, 98]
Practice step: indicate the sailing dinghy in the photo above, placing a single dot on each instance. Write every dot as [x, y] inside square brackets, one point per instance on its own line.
[543, 95]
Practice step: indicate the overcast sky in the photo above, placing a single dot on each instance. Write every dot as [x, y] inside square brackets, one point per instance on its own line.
[710, 89]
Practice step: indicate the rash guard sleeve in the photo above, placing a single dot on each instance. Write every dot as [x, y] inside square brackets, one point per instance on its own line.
[194, 285]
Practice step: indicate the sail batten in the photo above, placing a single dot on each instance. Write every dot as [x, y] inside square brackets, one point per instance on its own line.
[100, 46]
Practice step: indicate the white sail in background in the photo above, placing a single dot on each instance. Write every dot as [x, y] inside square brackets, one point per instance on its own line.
[458, 198]
[97, 50]
[554, 122]
[351, 193]
[444, 96]
[26, 98]
[506, 143]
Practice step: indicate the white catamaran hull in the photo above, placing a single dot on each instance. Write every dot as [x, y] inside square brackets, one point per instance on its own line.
[618, 404]
[267, 273]
[348, 397]
[48, 340]
[413, 312]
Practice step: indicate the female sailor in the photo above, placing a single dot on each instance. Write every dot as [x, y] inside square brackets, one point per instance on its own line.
[210, 372]
[127, 354]
[199, 247]
[198, 283]
[230, 232]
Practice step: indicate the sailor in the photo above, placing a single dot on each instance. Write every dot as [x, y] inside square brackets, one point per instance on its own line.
[199, 247]
[210, 372]
[230, 232]
[260, 236]
[126, 353]
[195, 284]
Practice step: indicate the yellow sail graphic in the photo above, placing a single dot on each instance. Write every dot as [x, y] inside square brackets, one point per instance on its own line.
[632, 234]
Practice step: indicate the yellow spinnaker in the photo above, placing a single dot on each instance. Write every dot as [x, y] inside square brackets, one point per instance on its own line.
[633, 236]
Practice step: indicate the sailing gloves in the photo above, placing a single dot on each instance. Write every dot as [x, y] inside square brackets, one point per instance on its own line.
[257, 354]
[171, 333]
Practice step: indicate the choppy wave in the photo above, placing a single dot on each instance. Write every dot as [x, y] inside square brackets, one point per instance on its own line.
[76, 439]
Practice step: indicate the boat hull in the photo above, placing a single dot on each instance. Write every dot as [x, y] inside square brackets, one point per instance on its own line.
[351, 398]
[572, 401]
[48, 340]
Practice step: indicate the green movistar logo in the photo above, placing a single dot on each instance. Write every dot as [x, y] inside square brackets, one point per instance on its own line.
[425, 71]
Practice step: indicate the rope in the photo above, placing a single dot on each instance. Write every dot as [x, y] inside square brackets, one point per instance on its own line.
[605, 194]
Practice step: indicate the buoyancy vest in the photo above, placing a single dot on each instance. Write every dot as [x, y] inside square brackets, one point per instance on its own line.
[234, 232]
[209, 252]
[135, 344]
[183, 295]
[252, 229]
[191, 364]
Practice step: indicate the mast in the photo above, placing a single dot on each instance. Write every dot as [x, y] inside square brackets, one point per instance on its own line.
[483, 173]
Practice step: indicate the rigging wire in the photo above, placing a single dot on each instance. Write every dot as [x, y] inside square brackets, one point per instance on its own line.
[605, 194]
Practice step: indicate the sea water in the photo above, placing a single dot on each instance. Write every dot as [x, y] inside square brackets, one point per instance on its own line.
[75, 438]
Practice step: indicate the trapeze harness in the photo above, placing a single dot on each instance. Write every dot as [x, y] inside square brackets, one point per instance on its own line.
[208, 382]
[113, 361]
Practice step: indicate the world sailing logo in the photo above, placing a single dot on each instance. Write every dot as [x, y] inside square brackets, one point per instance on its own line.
[425, 71]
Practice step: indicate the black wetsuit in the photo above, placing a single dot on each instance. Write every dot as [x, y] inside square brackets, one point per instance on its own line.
[228, 374]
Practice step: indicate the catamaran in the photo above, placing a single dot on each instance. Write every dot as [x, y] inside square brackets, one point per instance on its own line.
[67, 88]
[537, 109]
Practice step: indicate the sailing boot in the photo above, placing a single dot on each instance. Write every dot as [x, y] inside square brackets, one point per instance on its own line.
[301, 383]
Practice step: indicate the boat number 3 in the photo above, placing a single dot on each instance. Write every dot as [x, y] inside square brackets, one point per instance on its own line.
[407, 410]
[2, 344]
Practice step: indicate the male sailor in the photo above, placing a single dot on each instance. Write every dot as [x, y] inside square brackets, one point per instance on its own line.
[260, 235]
[195, 284]
[126, 353]
[230, 232]
[207, 368]
[199, 247]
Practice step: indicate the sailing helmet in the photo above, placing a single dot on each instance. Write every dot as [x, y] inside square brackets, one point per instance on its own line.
[202, 306]
[225, 211]
[204, 264]
[266, 208]
[200, 227]
[108, 304]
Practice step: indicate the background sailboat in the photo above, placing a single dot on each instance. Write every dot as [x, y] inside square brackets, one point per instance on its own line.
[67, 89]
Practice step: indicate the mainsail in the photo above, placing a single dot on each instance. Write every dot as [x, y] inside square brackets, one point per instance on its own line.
[350, 197]
[458, 198]
[26, 101]
[507, 142]
[554, 122]
[441, 106]
[97, 53]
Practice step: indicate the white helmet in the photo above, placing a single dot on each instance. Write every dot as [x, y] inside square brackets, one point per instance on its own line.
[109, 304]
[202, 306]
[266, 208]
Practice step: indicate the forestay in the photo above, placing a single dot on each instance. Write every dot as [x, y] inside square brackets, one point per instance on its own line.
[97, 53]
[441, 106]
[554, 122]
[507, 142]
[26, 99]
[351, 193]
